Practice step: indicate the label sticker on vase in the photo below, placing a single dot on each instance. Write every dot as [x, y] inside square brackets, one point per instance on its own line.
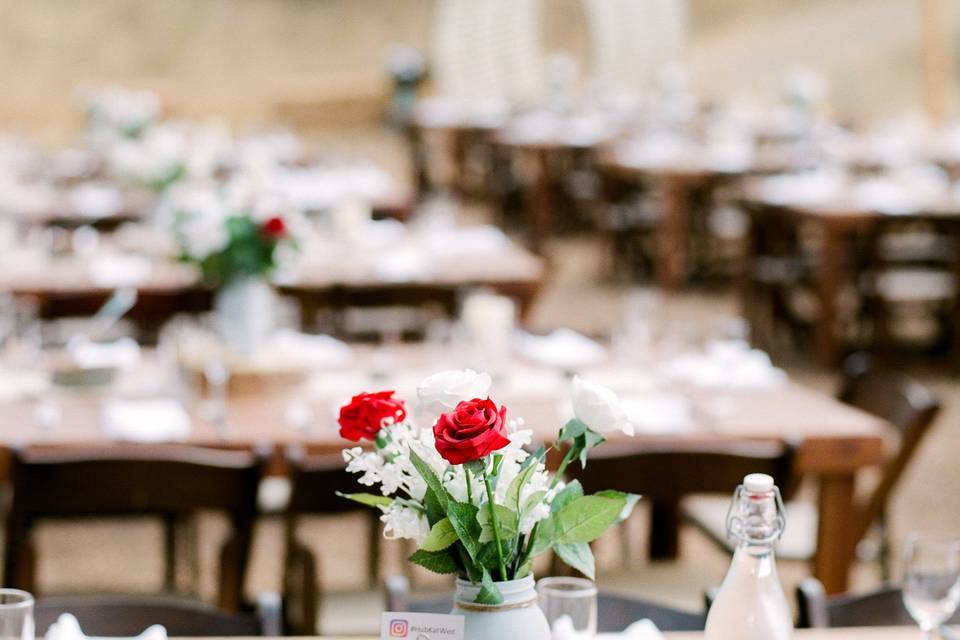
[420, 626]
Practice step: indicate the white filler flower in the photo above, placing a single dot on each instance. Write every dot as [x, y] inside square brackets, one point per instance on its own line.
[599, 408]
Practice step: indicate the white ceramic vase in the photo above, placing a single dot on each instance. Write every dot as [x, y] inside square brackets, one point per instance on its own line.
[244, 309]
[519, 615]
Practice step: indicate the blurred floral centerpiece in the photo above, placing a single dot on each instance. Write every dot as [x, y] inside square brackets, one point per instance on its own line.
[236, 251]
[457, 479]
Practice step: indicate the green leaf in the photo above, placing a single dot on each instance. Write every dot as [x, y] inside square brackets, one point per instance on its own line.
[431, 479]
[489, 593]
[579, 556]
[588, 441]
[536, 456]
[531, 502]
[436, 561]
[463, 518]
[573, 429]
[512, 499]
[586, 518]
[367, 499]
[440, 537]
[435, 512]
[507, 518]
[566, 495]
[543, 535]
[630, 498]
[476, 467]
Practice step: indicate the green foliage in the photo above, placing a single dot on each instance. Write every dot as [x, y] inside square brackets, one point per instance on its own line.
[489, 593]
[507, 518]
[441, 536]
[436, 561]
[585, 519]
[367, 499]
[579, 556]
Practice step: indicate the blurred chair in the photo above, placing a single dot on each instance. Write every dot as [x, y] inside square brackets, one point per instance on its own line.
[165, 481]
[903, 402]
[881, 608]
[776, 275]
[128, 616]
[909, 276]
[666, 474]
[614, 613]
[315, 481]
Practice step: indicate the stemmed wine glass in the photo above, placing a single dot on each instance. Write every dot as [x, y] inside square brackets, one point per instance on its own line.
[931, 581]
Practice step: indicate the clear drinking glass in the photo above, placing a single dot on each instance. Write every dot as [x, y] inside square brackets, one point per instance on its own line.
[570, 605]
[16, 615]
[931, 580]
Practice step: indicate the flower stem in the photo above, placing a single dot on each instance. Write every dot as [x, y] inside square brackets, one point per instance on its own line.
[496, 527]
[567, 459]
[469, 488]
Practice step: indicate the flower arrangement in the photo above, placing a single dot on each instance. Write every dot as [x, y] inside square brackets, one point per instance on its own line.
[465, 488]
[226, 242]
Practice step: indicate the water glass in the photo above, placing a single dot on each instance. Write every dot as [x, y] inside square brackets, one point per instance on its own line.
[16, 615]
[931, 580]
[570, 605]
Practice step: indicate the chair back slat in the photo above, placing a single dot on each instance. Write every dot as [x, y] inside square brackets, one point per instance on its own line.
[157, 481]
[881, 608]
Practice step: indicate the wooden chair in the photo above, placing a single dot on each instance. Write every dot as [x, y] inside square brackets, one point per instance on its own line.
[665, 474]
[127, 616]
[164, 481]
[904, 403]
[881, 608]
[315, 481]
[614, 613]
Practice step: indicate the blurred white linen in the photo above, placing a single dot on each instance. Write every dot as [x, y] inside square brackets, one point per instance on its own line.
[121, 354]
[561, 348]
[479, 240]
[119, 270]
[640, 630]
[311, 350]
[68, 628]
[145, 420]
[728, 364]
[95, 200]
[16, 384]
[658, 412]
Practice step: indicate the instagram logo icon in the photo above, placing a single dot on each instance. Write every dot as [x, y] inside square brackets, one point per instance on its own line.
[399, 628]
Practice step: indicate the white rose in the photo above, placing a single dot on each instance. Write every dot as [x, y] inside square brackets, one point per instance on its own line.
[599, 408]
[443, 391]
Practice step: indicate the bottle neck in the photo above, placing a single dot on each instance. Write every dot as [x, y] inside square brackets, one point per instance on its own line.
[756, 520]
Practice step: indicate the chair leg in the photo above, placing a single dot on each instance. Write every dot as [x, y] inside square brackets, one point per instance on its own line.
[375, 534]
[170, 552]
[664, 530]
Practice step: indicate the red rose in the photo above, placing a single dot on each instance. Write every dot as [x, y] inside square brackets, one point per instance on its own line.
[367, 413]
[274, 227]
[471, 431]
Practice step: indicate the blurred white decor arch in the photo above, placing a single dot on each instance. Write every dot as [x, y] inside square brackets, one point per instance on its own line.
[632, 40]
[488, 50]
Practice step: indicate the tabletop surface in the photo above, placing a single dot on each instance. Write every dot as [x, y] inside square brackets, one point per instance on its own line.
[284, 411]
[868, 633]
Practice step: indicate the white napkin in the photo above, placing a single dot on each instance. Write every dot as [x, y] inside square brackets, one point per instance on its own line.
[640, 630]
[729, 364]
[121, 354]
[147, 420]
[95, 200]
[67, 628]
[313, 350]
[119, 270]
[17, 384]
[402, 265]
[480, 240]
[562, 348]
[658, 413]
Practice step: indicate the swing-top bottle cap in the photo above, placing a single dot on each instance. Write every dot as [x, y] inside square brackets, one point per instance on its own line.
[758, 483]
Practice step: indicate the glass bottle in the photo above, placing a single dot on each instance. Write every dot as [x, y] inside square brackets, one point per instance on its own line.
[751, 604]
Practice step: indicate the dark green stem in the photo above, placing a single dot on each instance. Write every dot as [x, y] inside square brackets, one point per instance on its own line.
[567, 459]
[496, 528]
[469, 488]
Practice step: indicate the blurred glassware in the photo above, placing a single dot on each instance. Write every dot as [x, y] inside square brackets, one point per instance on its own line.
[16, 615]
[640, 324]
[570, 606]
[931, 580]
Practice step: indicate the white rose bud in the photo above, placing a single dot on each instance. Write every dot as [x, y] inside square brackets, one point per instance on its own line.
[442, 392]
[599, 408]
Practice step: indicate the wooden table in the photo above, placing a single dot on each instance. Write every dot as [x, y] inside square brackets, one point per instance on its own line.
[677, 181]
[328, 276]
[839, 223]
[864, 633]
[835, 441]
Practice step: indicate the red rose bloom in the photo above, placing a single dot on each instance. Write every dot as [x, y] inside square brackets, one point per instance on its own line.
[274, 227]
[471, 431]
[367, 413]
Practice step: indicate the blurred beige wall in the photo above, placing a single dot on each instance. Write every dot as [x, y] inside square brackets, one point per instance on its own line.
[241, 58]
